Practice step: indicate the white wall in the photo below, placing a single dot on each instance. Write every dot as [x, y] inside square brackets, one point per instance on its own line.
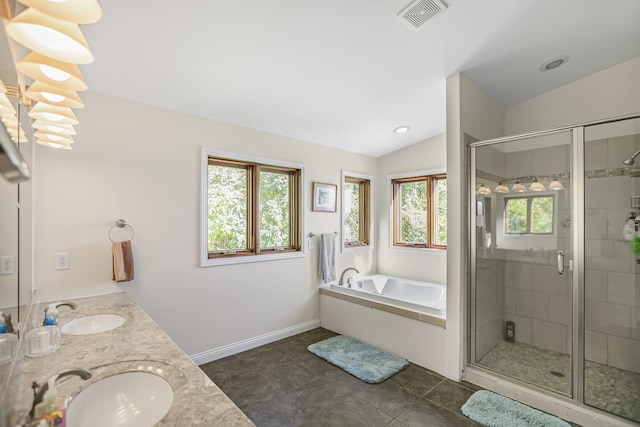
[418, 264]
[142, 163]
[609, 93]
[470, 114]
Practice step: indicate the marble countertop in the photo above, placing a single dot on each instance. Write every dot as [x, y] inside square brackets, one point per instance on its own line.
[138, 345]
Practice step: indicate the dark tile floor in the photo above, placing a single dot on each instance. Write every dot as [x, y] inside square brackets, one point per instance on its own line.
[283, 384]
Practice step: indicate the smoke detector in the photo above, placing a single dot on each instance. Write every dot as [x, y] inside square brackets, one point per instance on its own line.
[418, 12]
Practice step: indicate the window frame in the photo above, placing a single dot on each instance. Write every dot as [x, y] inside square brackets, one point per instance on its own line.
[254, 254]
[431, 177]
[366, 212]
[529, 198]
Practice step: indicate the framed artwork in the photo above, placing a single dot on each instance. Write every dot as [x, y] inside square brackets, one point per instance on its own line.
[324, 197]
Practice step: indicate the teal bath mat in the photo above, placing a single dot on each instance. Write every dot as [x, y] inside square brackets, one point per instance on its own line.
[494, 410]
[360, 360]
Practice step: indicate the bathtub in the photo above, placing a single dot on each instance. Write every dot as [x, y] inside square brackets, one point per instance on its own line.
[403, 317]
[429, 298]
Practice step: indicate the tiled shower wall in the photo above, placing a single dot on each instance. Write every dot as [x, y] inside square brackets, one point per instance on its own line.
[538, 301]
[612, 276]
[490, 291]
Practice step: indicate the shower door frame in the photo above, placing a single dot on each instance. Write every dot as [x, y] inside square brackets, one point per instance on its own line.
[577, 264]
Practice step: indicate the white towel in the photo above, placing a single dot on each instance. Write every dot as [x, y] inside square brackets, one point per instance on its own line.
[327, 261]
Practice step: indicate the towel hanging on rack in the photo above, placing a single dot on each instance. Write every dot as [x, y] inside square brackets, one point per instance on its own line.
[122, 255]
[327, 259]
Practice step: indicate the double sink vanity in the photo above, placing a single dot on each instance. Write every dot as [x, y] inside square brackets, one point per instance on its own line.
[138, 375]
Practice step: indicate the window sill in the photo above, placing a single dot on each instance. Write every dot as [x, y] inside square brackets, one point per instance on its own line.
[212, 262]
[415, 249]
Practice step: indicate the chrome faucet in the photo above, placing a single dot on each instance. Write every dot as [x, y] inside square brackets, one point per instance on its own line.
[40, 390]
[71, 305]
[341, 282]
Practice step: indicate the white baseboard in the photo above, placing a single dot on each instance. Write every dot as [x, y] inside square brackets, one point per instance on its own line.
[248, 344]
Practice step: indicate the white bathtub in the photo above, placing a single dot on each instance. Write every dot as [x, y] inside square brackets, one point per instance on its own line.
[424, 297]
[403, 317]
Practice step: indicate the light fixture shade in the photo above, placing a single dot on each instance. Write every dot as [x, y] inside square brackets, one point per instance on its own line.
[51, 113]
[556, 185]
[484, 190]
[3, 88]
[58, 128]
[518, 188]
[501, 188]
[52, 37]
[536, 186]
[52, 72]
[43, 92]
[53, 144]
[77, 11]
[54, 137]
[5, 105]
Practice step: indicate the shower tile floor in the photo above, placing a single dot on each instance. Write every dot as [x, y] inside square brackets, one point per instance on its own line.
[283, 384]
[610, 389]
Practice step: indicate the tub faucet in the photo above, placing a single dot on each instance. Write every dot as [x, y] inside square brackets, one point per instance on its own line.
[341, 282]
[40, 390]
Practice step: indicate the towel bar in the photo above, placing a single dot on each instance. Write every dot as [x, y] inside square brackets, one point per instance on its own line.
[314, 234]
[121, 223]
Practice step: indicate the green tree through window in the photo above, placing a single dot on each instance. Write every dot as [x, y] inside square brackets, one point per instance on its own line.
[529, 215]
[252, 208]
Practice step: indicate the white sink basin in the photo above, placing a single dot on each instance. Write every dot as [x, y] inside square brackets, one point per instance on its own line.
[136, 399]
[93, 324]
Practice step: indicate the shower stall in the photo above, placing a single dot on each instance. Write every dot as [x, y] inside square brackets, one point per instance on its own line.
[554, 293]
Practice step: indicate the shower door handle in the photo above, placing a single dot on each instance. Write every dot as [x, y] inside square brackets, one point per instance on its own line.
[560, 262]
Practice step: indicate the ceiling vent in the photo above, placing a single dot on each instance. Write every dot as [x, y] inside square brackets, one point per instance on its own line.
[420, 11]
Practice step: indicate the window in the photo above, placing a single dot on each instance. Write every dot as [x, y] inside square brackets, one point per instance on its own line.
[356, 209]
[529, 215]
[420, 211]
[253, 208]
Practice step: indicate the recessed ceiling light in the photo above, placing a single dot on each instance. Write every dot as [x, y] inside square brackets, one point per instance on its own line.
[402, 129]
[554, 63]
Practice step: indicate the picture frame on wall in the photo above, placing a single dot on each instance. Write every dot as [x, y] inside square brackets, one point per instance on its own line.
[324, 197]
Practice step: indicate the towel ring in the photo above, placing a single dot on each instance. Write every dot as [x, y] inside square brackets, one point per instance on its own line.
[121, 223]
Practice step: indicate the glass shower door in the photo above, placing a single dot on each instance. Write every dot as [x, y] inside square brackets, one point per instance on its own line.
[612, 268]
[521, 276]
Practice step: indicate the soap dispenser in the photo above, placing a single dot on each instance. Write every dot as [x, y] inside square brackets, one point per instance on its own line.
[629, 229]
[3, 324]
[51, 315]
[52, 407]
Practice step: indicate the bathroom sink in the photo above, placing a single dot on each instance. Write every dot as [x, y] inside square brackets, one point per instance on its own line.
[136, 399]
[93, 324]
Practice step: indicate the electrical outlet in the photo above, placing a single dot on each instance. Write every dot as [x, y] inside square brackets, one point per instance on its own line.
[6, 265]
[61, 261]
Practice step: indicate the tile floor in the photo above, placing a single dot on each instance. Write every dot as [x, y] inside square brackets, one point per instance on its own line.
[613, 390]
[283, 384]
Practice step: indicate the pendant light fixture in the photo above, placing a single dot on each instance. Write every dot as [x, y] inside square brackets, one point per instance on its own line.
[58, 128]
[52, 72]
[484, 190]
[43, 92]
[76, 11]
[51, 113]
[53, 144]
[556, 185]
[518, 188]
[536, 186]
[501, 188]
[54, 137]
[49, 36]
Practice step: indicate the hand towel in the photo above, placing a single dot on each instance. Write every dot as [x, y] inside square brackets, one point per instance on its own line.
[122, 261]
[327, 261]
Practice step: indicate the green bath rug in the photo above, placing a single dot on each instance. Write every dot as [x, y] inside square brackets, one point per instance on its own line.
[360, 360]
[494, 410]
